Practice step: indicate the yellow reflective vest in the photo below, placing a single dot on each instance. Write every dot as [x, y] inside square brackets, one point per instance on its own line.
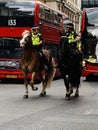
[71, 37]
[35, 39]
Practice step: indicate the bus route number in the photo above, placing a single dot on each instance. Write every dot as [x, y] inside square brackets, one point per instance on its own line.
[12, 22]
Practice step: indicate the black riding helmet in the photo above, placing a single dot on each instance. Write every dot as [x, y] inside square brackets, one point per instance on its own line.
[70, 25]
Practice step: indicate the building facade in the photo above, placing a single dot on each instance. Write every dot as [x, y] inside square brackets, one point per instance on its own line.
[71, 7]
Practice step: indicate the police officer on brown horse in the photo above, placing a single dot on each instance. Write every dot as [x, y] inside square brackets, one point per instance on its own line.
[34, 60]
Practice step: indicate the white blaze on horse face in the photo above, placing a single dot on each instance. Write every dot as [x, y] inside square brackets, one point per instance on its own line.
[23, 40]
[25, 35]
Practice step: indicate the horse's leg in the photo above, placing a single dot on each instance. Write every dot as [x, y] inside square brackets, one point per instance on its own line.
[24, 71]
[32, 82]
[77, 90]
[70, 88]
[26, 86]
[66, 83]
[67, 93]
[43, 92]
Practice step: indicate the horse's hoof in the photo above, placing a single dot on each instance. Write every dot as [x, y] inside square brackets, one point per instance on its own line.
[25, 96]
[76, 95]
[42, 94]
[34, 88]
[67, 97]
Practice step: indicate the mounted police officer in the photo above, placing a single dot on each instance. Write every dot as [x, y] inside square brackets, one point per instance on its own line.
[36, 37]
[72, 36]
[37, 42]
[69, 40]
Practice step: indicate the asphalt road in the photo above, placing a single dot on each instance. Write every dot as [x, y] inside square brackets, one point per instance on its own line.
[51, 112]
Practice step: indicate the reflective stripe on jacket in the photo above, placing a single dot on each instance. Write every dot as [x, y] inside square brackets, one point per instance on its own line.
[35, 39]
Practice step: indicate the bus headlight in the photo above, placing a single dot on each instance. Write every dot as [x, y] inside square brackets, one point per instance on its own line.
[83, 63]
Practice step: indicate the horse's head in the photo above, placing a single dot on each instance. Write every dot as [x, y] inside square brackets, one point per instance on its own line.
[26, 38]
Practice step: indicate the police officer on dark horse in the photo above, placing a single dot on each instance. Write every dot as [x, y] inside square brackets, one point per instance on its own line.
[70, 60]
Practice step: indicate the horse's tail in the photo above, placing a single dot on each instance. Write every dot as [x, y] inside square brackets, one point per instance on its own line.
[50, 72]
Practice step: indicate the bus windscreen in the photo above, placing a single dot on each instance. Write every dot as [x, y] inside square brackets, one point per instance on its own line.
[20, 14]
[92, 16]
[10, 48]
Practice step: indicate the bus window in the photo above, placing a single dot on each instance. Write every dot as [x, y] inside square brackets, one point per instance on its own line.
[92, 16]
[59, 18]
[22, 9]
[52, 16]
[55, 17]
[17, 14]
[47, 15]
[42, 12]
[10, 48]
[90, 32]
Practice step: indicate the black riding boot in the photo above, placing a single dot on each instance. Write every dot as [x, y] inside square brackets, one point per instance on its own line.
[44, 60]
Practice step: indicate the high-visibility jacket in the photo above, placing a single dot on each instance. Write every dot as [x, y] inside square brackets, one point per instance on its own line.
[71, 37]
[36, 39]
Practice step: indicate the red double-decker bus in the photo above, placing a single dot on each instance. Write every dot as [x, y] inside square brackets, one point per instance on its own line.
[17, 16]
[89, 38]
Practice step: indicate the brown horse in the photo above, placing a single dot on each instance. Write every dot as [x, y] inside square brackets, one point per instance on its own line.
[32, 63]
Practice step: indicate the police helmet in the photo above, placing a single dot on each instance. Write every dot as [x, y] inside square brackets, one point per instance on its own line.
[35, 27]
[70, 25]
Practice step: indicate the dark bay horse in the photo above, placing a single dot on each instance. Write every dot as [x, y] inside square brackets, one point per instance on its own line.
[70, 66]
[32, 63]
